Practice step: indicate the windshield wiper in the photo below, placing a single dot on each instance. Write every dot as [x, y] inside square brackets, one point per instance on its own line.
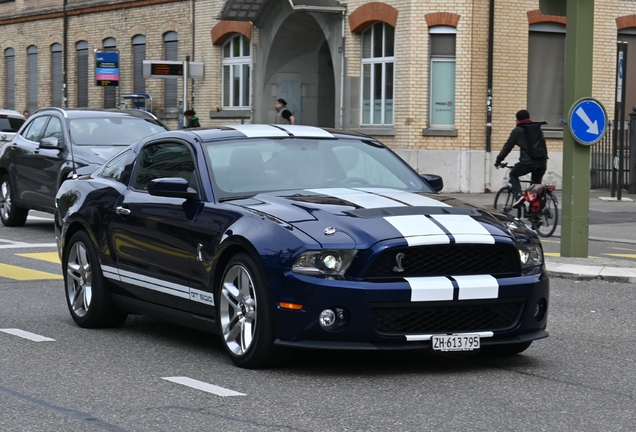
[232, 198]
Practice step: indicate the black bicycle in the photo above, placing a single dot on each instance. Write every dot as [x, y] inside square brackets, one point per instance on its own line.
[540, 206]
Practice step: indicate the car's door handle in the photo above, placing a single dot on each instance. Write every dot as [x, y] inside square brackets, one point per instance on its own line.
[122, 211]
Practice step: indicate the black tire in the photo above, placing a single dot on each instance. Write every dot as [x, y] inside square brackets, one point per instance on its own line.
[87, 294]
[504, 201]
[505, 349]
[549, 218]
[245, 315]
[10, 213]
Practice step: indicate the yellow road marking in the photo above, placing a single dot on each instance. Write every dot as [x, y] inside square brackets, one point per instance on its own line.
[619, 248]
[52, 257]
[25, 274]
[623, 255]
[558, 254]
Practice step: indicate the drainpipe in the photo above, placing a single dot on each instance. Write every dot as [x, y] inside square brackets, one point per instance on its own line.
[65, 54]
[342, 72]
[491, 26]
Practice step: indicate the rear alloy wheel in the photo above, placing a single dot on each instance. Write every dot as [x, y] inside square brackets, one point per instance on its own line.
[87, 294]
[11, 214]
[244, 315]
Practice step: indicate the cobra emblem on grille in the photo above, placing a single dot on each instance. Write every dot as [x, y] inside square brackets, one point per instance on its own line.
[398, 261]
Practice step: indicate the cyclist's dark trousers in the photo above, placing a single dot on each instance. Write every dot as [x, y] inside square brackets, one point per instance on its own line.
[537, 170]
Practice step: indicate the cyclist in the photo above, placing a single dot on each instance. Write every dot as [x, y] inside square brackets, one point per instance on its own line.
[525, 134]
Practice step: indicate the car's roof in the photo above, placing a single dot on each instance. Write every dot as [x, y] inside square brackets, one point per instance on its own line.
[10, 113]
[88, 112]
[272, 131]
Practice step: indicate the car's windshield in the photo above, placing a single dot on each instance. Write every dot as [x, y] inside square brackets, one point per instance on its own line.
[96, 131]
[246, 167]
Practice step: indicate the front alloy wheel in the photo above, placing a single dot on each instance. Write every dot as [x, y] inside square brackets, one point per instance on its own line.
[245, 314]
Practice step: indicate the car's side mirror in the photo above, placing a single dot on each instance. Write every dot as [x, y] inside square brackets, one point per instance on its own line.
[435, 181]
[50, 143]
[172, 187]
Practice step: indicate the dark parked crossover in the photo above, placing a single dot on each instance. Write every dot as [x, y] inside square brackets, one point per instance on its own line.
[55, 142]
[279, 237]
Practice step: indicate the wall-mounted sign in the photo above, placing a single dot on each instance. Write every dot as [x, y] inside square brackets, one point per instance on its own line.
[106, 68]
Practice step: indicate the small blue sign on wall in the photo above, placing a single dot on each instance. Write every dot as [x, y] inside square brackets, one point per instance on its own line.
[587, 121]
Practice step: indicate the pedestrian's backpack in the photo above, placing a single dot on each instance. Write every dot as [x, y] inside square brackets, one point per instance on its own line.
[537, 148]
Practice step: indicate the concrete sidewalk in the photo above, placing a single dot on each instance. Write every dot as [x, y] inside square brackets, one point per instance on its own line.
[610, 220]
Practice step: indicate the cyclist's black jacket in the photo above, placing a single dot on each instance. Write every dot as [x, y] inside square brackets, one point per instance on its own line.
[519, 137]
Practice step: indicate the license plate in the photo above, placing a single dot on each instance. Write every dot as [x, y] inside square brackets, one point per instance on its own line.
[464, 342]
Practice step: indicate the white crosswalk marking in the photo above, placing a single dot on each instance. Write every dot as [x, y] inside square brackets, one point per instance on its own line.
[200, 385]
[26, 335]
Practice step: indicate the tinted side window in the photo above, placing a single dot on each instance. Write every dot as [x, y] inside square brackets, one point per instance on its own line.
[118, 167]
[8, 124]
[164, 160]
[54, 130]
[34, 131]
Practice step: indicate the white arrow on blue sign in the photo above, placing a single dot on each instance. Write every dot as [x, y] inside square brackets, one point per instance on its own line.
[588, 121]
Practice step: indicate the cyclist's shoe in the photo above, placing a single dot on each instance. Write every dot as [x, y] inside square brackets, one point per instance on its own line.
[519, 199]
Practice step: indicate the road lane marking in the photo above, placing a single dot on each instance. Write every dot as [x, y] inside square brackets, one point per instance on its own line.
[623, 255]
[52, 257]
[18, 245]
[24, 274]
[200, 385]
[26, 335]
[558, 254]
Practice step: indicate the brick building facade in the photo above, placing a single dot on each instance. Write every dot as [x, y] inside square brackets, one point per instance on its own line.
[412, 73]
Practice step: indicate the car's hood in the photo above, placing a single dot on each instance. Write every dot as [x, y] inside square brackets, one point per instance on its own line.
[361, 217]
[95, 154]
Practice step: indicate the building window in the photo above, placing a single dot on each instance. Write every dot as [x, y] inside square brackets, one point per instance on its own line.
[81, 49]
[139, 55]
[546, 73]
[57, 76]
[170, 52]
[629, 35]
[378, 74]
[9, 83]
[110, 92]
[237, 65]
[32, 87]
[442, 77]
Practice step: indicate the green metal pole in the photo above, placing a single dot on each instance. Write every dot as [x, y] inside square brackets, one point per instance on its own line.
[579, 42]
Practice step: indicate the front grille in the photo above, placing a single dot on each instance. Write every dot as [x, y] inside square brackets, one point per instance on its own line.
[446, 318]
[447, 260]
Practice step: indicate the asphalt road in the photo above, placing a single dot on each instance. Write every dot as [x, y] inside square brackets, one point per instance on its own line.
[132, 378]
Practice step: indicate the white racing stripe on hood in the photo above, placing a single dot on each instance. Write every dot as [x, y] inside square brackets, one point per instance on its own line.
[439, 288]
[465, 229]
[430, 289]
[409, 198]
[359, 198]
[418, 230]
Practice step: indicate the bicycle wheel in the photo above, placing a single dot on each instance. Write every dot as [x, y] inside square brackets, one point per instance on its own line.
[504, 201]
[549, 217]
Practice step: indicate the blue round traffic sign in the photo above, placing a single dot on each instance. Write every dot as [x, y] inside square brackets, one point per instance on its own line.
[587, 121]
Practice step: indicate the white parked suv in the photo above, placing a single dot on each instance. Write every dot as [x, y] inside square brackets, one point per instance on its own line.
[10, 122]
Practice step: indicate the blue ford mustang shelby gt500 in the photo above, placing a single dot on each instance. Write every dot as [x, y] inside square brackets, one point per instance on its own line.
[278, 237]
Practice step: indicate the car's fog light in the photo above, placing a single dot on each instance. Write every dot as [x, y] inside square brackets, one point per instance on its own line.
[333, 319]
[540, 309]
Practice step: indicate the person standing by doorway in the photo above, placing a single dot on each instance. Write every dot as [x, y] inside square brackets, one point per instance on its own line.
[284, 115]
[192, 119]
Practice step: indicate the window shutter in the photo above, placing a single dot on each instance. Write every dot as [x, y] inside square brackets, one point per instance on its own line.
[10, 78]
[82, 74]
[57, 78]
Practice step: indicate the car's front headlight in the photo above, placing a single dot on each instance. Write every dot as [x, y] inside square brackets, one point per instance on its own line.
[324, 262]
[531, 256]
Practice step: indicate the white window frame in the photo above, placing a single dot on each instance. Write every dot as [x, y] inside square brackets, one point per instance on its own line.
[436, 59]
[233, 63]
[371, 62]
